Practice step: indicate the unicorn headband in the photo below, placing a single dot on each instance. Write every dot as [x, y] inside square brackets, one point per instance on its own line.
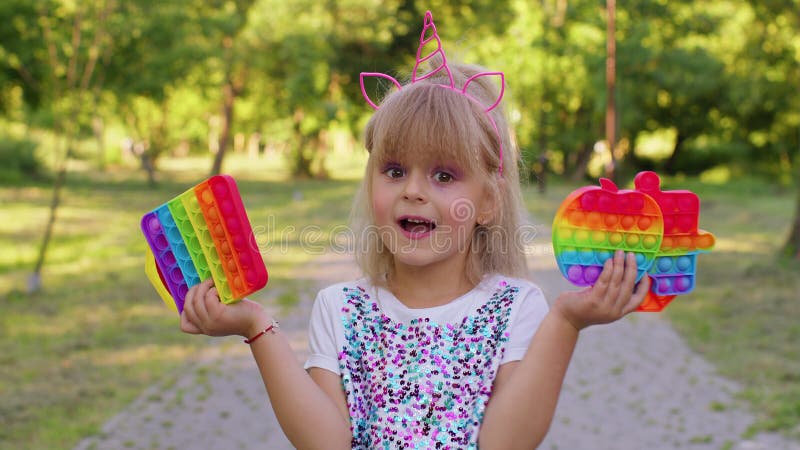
[441, 69]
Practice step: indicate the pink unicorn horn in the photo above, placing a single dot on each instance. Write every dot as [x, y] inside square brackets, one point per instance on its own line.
[429, 26]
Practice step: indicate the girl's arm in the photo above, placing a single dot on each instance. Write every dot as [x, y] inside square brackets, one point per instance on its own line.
[525, 393]
[309, 415]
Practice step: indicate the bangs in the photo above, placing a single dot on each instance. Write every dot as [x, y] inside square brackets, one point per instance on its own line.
[429, 124]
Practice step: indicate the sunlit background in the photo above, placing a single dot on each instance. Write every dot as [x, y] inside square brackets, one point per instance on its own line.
[108, 108]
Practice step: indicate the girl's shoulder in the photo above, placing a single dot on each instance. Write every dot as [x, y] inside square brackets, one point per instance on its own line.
[523, 287]
[360, 284]
[336, 294]
[527, 299]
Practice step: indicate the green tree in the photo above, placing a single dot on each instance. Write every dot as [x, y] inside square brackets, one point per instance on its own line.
[52, 52]
[169, 49]
[778, 25]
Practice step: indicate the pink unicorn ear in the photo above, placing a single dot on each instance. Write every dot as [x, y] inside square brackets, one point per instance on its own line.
[375, 75]
[487, 74]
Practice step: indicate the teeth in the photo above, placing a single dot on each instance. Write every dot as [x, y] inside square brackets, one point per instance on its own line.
[417, 221]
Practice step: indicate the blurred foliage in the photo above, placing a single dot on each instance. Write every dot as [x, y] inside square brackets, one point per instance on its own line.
[710, 84]
[722, 77]
[18, 161]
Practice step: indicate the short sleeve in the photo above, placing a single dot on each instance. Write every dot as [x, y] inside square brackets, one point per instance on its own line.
[322, 335]
[530, 311]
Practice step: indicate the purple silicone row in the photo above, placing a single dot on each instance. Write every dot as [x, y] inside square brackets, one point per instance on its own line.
[173, 277]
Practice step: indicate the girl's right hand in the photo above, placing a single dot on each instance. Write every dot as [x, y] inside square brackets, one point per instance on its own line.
[203, 313]
[612, 297]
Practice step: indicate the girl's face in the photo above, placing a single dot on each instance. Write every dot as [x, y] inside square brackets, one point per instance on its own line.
[425, 213]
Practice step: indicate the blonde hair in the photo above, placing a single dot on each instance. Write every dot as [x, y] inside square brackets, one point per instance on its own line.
[427, 123]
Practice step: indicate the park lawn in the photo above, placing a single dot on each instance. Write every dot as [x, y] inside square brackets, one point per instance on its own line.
[744, 315]
[97, 334]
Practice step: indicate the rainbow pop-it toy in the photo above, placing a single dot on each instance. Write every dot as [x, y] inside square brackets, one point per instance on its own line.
[200, 234]
[659, 227]
[675, 268]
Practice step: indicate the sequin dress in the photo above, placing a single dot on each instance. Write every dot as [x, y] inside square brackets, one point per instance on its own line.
[416, 378]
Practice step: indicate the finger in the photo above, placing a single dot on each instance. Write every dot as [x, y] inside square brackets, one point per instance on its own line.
[629, 276]
[619, 267]
[212, 303]
[200, 301]
[601, 285]
[638, 296]
[616, 275]
[188, 306]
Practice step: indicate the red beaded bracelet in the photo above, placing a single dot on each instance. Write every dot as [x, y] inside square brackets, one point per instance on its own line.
[270, 329]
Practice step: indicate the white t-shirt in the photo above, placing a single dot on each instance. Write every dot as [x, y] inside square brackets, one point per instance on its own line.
[421, 376]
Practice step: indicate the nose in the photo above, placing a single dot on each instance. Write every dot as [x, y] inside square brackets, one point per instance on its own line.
[414, 188]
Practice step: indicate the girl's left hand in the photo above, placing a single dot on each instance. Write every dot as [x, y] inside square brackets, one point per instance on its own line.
[611, 298]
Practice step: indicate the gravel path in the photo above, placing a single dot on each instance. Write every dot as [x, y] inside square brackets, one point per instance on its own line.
[632, 385]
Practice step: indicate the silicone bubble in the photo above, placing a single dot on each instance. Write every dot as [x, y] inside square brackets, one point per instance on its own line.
[591, 274]
[204, 233]
[664, 264]
[683, 283]
[575, 273]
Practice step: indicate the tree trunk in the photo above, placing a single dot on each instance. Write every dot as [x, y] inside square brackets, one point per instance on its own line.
[322, 145]
[35, 279]
[538, 172]
[149, 166]
[791, 248]
[584, 155]
[302, 163]
[535, 175]
[611, 79]
[669, 166]
[254, 145]
[98, 127]
[228, 98]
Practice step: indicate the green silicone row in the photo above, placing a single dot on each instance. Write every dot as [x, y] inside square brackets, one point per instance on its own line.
[184, 225]
[192, 207]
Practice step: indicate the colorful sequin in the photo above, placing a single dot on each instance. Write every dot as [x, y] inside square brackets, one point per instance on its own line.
[420, 385]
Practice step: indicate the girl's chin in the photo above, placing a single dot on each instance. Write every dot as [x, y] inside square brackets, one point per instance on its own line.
[421, 256]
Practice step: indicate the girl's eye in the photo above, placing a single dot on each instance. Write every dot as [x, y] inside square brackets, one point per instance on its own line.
[443, 176]
[393, 172]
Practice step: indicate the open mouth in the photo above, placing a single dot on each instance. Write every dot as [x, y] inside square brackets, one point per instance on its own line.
[416, 225]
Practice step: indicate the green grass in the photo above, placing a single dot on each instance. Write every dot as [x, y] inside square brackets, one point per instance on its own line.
[744, 315]
[97, 334]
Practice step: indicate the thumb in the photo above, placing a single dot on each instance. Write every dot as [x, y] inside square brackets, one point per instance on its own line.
[188, 327]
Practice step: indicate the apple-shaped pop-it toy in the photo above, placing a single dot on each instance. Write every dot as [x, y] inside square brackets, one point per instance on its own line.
[593, 222]
[660, 227]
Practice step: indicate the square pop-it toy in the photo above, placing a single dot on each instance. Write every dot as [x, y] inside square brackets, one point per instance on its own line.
[200, 234]
[659, 227]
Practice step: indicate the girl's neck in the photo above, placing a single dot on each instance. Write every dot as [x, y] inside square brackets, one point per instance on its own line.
[427, 287]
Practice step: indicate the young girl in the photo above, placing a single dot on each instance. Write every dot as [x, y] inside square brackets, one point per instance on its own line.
[443, 343]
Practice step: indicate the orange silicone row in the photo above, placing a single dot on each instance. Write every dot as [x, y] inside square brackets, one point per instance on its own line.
[596, 220]
[222, 240]
[700, 241]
